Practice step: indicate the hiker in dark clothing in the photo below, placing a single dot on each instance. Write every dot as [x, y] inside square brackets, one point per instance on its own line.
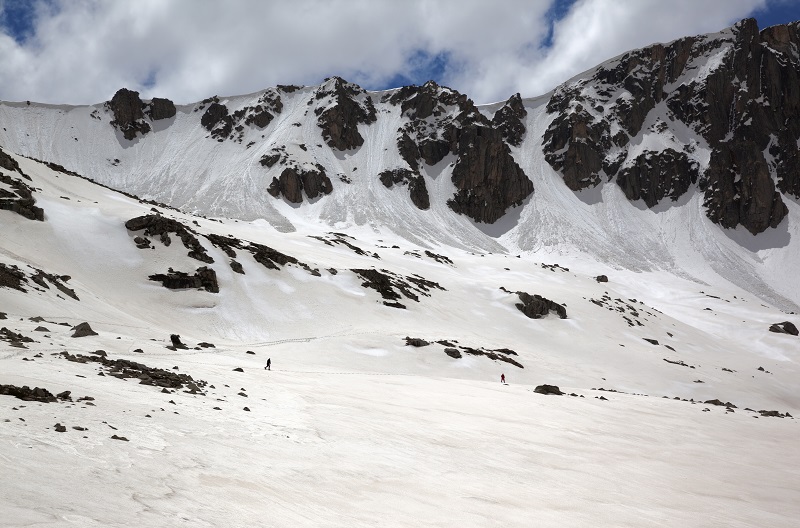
[502, 376]
[269, 364]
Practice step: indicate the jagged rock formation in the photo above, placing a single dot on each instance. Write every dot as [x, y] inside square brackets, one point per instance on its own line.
[13, 277]
[224, 125]
[129, 112]
[509, 120]
[293, 181]
[737, 91]
[416, 185]
[203, 277]
[442, 122]
[341, 107]
[161, 226]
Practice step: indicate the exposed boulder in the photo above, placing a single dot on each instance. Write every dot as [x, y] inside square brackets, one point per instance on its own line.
[536, 306]
[786, 327]
[548, 389]
[203, 277]
[83, 330]
[159, 109]
[416, 342]
[601, 278]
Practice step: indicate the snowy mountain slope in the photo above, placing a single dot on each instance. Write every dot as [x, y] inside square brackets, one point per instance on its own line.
[249, 157]
[353, 426]
[387, 251]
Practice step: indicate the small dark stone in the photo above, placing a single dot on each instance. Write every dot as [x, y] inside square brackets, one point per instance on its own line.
[601, 278]
[60, 428]
[115, 437]
[238, 369]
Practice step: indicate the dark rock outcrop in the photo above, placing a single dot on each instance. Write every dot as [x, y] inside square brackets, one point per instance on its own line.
[536, 306]
[509, 120]
[217, 120]
[654, 176]
[128, 112]
[27, 394]
[548, 389]
[83, 330]
[738, 90]
[416, 342]
[345, 105]
[203, 277]
[126, 369]
[416, 185]
[20, 200]
[159, 109]
[786, 327]
[294, 181]
[15, 278]
[444, 122]
[160, 226]
[394, 287]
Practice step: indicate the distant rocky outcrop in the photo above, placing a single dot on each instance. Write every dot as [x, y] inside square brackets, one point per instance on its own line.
[536, 306]
[132, 116]
[222, 124]
[444, 122]
[786, 327]
[415, 182]
[294, 181]
[341, 107]
[161, 226]
[510, 120]
[734, 92]
[19, 199]
[204, 277]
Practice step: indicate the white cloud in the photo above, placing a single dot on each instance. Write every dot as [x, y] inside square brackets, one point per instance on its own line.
[84, 50]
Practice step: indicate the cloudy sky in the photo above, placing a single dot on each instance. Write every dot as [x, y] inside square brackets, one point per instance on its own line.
[82, 51]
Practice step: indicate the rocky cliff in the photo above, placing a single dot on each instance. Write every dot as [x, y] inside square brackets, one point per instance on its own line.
[720, 111]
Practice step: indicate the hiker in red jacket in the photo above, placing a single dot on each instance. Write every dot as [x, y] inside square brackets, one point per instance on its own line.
[502, 378]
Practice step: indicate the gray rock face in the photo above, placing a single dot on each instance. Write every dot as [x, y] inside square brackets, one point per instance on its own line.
[129, 112]
[347, 106]
[416, 185]
[739, 91]
[442, 122]
[509, 120]
[294, 181]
